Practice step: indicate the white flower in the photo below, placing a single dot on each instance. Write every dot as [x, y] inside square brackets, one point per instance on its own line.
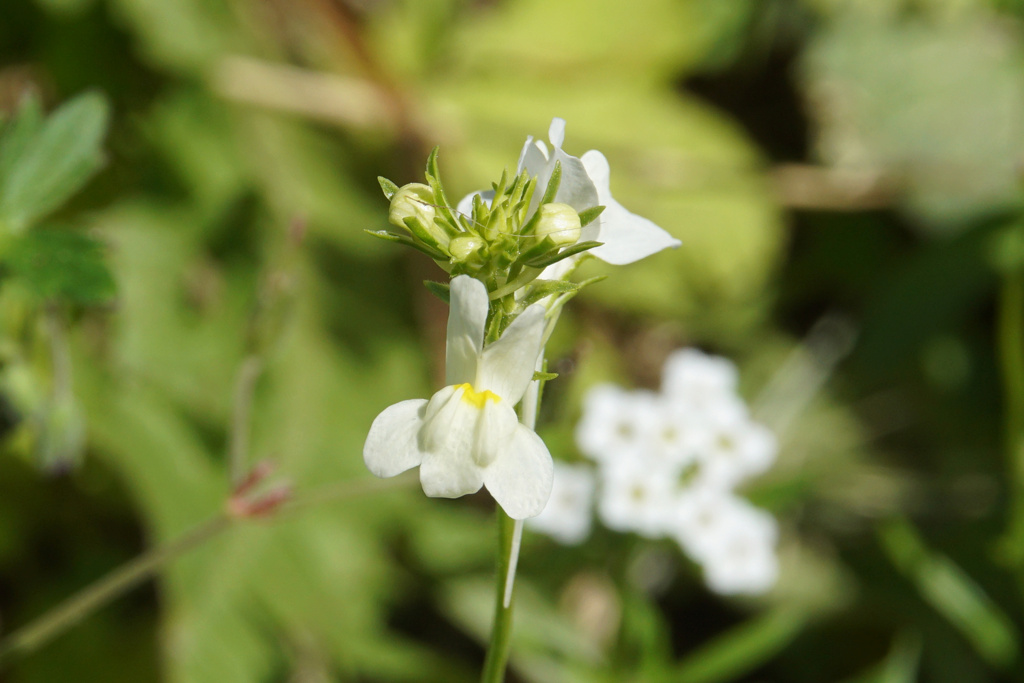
[699, 382]
[567, 515]
[615, 422]
[733, 540]
[467, 435]
[584, 184]
[637, 494]
[737, 448]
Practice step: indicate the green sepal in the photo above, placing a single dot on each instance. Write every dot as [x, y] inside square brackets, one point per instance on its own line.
[439, 289]
[440, 198]
[588, 216]
[553, 183]
[543, 376]
[542, 288]
[545, 261]
[563, 299]
[409, 242]
[389, 187]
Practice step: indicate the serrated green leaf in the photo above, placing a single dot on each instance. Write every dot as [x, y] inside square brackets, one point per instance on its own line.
[56, 162]
[546, 261]
[389, 187]
[61, 265]
[439, 289]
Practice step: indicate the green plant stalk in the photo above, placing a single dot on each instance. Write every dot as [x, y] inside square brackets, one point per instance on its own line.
[501, 632]
[1011, 355]
[116, 583]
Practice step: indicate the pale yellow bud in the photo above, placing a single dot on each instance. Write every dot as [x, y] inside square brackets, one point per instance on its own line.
[463, 247]
[415, 201]
[560, 223]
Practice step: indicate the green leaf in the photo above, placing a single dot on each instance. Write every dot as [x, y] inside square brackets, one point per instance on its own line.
[743, 648]
[948, 589]
[553, 183]
[543, 376]
[18, 133]
[61, 265]
[439, 289]
[389, 187]
[545, 261]
[54, 163]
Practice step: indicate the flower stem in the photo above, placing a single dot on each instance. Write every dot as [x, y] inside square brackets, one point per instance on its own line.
[92, 597]
[501, 631]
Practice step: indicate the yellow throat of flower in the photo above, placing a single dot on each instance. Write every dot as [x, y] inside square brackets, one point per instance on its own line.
[477, 398]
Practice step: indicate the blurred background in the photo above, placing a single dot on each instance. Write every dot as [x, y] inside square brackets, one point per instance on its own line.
[844, 176]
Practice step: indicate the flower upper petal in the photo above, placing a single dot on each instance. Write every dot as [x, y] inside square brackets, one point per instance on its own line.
[575, 187]
[391, 446]
[520, 477]
[507, 365]
[626, 236]
[466, 321]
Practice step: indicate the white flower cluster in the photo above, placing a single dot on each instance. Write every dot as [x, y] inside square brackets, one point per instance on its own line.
[668, 465]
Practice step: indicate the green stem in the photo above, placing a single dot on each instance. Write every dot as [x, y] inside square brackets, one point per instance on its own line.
[1011, 352]
[92, 597]
[501, 631]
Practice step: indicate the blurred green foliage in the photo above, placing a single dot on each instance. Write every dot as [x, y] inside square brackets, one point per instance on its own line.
[184, 185]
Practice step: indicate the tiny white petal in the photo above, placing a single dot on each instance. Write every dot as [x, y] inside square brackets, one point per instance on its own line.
[466, 320]
[506, 366]
[556, 132]
[627, 237]
[392, 446]
[521, 475]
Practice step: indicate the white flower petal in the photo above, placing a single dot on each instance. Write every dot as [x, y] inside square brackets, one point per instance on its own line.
[506, 366]
[556, 132]
[392, 446]
[626, 236]
[444, 476]
[496, 422]
[520, 477]
[466, 321]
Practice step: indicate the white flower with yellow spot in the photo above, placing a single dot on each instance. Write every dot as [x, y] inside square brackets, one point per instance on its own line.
[468, 435]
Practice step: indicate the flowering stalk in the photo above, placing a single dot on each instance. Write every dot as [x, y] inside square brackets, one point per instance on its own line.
[510, 251]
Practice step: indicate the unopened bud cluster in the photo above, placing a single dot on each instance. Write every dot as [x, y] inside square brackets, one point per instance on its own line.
[505, 237]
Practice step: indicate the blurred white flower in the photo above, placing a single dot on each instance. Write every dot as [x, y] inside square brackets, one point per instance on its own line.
[567, 516]
[699, 382]
[737, 448]
[669, 462]
[468, 434]
[733, 540]
[637, 494]
[616, 422]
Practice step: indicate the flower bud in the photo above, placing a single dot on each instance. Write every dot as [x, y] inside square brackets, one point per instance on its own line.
[415, 201]
[464, 247]
[560, 223]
